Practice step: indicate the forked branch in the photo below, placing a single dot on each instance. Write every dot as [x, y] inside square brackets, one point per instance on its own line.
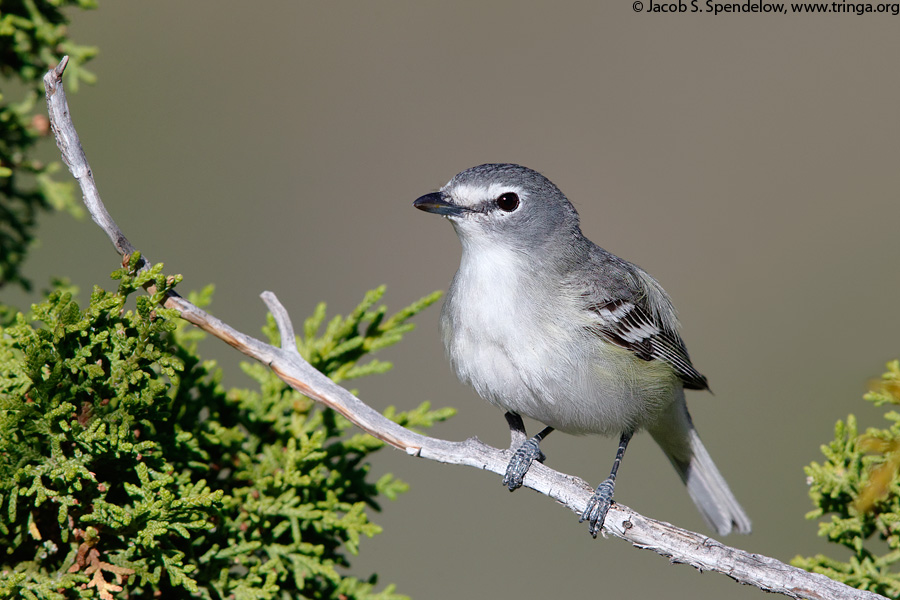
[680, 545]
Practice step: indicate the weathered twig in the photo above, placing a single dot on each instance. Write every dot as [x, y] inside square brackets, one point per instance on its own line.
[680, 545]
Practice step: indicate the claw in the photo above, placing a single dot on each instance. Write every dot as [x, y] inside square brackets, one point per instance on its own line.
[597, 507]
[520, 462]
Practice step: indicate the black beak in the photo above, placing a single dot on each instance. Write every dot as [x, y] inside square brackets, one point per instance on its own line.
[435, 203]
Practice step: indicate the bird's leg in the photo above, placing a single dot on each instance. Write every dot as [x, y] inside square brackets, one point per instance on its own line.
[517, 433]
[523, 452]
[598, 505]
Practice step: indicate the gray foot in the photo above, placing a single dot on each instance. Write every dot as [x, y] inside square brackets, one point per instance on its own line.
[520, 462]
[598, 506]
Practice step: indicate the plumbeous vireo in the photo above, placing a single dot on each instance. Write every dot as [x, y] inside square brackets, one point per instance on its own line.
[546, 324]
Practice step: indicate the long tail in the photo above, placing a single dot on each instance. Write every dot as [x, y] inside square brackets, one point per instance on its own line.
[676, 435]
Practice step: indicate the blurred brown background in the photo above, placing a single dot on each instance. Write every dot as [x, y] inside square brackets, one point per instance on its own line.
[749, 162]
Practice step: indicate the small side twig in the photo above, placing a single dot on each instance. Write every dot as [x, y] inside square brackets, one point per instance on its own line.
[680, 545]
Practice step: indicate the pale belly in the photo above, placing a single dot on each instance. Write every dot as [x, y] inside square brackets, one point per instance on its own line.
[507, 338]
[560, 374]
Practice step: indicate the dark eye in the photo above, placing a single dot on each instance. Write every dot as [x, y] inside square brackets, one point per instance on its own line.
[508, 202]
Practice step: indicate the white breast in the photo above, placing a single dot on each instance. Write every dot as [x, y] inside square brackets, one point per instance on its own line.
[512, 344]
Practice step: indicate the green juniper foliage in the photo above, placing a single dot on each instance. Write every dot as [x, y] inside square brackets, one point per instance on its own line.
[32, 40]
[858, 486]
[127, 470]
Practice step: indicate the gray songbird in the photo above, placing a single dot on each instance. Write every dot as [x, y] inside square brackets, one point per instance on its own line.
[543, 323]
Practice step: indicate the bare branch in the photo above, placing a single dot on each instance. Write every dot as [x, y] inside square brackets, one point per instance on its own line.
[680, 545]
[73, 155]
